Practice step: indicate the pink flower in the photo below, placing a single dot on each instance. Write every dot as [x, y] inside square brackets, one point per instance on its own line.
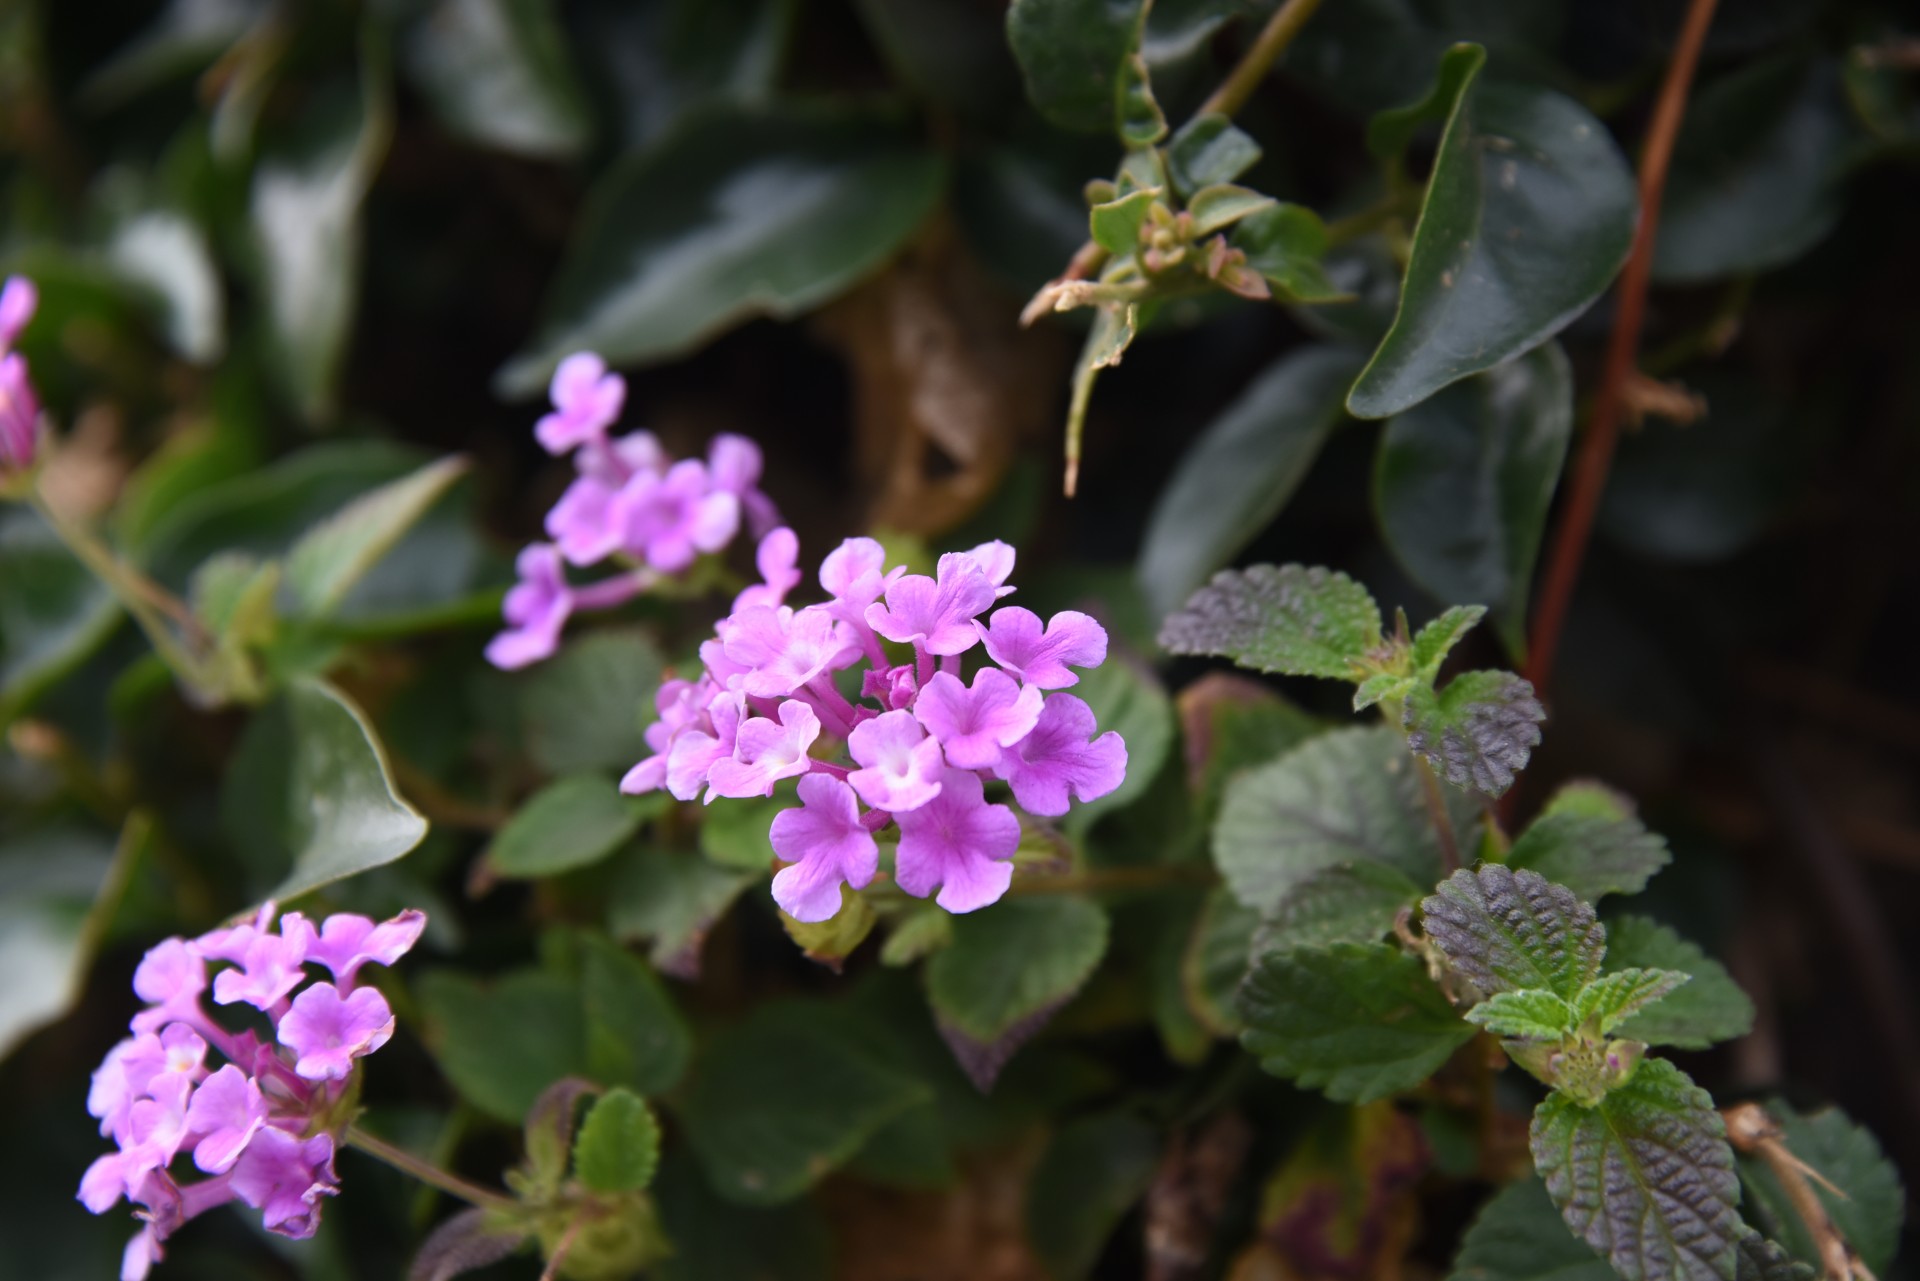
[735, 463]
[824, 844]
[581, 524]
[18, 301]
[995, 560]
[973, 725]
[936, 613]
[1040, 657]
[1056, 759]
[226, 1112]
[536, 609]
[766, 751]
[775, 559]
[348, 941]
[284, 1178]
[327, 1031]
[586, 401]
[682, 706]
[668, 520]
[781, 650]
[901, 765]
[19, 414]
[171, 978]
[855, 575]
[960, 843]
[269, 965]
[895, 688]
[695, 752]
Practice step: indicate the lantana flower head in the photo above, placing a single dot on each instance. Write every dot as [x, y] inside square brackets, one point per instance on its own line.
[919, 746]
[19, 403]
[630, 505]
[262, 1125]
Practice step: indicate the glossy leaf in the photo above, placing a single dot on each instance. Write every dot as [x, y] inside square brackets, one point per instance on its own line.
[498, 72]
[740, 212]
[1071, 53]
[1478, 731]
[1710, 1008]
[335, 554]
[587, 707]
[1519, 1236]
[1094, 1171]
[1138, 118]
[1279, 618]
[1504, 930]
[1208, 149]
[1020, 957]
[1645, 1177]
[1287, 245]
[163, 252]
[58, 891]
[1462, 483]
[1590, 855]
[1222, 205]
[1857, 1185]
[573, 822]
[1527, 216]
[619, 1145]
[1359, 1021]
[53, 612]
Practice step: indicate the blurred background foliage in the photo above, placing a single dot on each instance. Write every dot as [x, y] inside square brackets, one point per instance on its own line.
[290, 251]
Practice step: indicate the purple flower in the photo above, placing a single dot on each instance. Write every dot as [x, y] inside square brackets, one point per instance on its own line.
[348, 941]
[958, 842]
[668, 520]
[536, 609]
[269, 965]
[19, 414]
[171, 978]
[695, 752]
[581, 524]
[995, 560]
[766, 751]
[895, 688]
[782, 650]
[682, 705]
[226, 1112]
[901, 765]
[937, 613]
[156, 1126]
[327, 1031]
[973, 725]
[284, 1178]
[18, 301]
[824, 844]
[735, 463]
[855, 575]
[775, 559]
[614, 462]
[586, 401]
[1056, 759]
[1040, 657]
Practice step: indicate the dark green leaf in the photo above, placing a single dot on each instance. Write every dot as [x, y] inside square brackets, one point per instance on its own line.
[1360, 1021]
[58, 890]
[1217, 957]
[671, 899]
[1284, 618]
[1708, 1009]
[1463, 480]
[1230, 724]
[1391, 131]
[497, 71]
[1528, 215]
[1071, 53]
[1478, 731]
[738, 835]
[1013, 960]
[744, 1114]
[1618, 995]
[619, 1146]
[1130, 700]
[1347, 797]
[1590, 855]
[1137, 117]
[1206, 150]
[53, 612]
[1092, 1173]
[634, 1035]
[1349, 903]
[502, 1044]
[717, 1240]
[587, 707]
[1762, 1260]
[1526, 1015]
[571, 823]
[665, 62]
[1645, 1177]
[1519, 1236]
[183, 39]
[1432, 643]
[1503, 930]
[337, 553]
[1869, 1206]
[950, 51]
[741, 212]
[1287, 244]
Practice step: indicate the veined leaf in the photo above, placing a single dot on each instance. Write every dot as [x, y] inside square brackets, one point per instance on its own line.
[1476, 732]
[1589, 854]
[1612, 998]
[1504, 930]
[1868, 1206]
[1348, 903]
[1433, 642]
[1527, 1014]
[1708, 1009]
[1279, 618]
[619, 1146]
[1519, 1236]
[1024, 956]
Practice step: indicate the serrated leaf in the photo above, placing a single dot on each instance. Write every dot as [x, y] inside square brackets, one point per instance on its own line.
[1224, 204]
[1476, 732]
[335, 554]
[1504, 930]
[1433, 642]
[1340, 798]
[571, 823]
[1527, 1015]
[1380, 687]
[1137, 116]
[1287, 244]
[619, 1145]
[1208, 149]
[1591, 855]
[1612, 998]
[1763, 1260]
[1709, 1009]
[1519, 1236]
[1071, 53]
[1279, 618]
[548, 1130]
[1351, 903]
[1870, 1205]
[1020, 957]
[1115, 225]
[1645, 1177]
[1359, 1021]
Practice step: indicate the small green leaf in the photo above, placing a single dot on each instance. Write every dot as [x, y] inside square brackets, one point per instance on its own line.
[587, 707]
[1380, 687]
[1709, 1009]
[1287, 244]
[671, 899]
[1360, 1021]
[1206, 150]
[548, 1131]
[335, 554]
[619, 1145]
[835, 939]
[53, 612]
[1137, 116]
[1071, 53]
[1217, 957]
[1350, 903]
[1016, 959]
[1504, 930]
[1527, 1015]
[1224, 204]
[920, 933]
[1592, 856]
[1613, 998]
[1869, 1205]
[502, 1044]
[1478, 731]
[1519, 1236]
[1645, 1177]
[1115, 225]
[1284, 618]
[1432, 643]
[1094, 1171]
[497, 72]
[574, 822]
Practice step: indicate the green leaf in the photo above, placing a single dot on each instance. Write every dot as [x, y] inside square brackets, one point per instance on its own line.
[742, 1113]
[1527, 216]
[587, 707]
[1241, 470]
[547, 1133]
[1615, 997]
[53, 612]
[1137, 116]
[1094, 1171]
[634, 1036]
[59, 888]
[1224, 204]
[1359, 1021]
[1218, 955]
[1130, 700]
[1390, 132]
[1208, 149]
[1284, 618]
[671, 899]
[1757, 171]
[1869, 1207]
[1014, 960]
[1462, 482]
[1763, 1260]
[918, 934]
[1115, 225]
[1709, 1009]
[1527, 1015]
[1477, 732]
[571, 823]
[1591, 856]
[183, 39]
[1071, 54]
[1341, 798]
[740, 212]
[1432, 643]
[619, 1146]
[165, 254]
[337, 553]
[716, 1240]
[1349, 903]
[503, 1043]
[1229, 724]
[1287, 244]
[1503, 930]
[738, 835]
[1645, 1177]
[1519, 1236]
[951, 53]
[497, 72]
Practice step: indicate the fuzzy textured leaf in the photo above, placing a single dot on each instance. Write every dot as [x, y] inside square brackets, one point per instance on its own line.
[1519, 1236]
[1613, 998]
[1527, 1015]
[1349, 903]
[1504, 930]
[1478, 731]
[1433, 642]
[1279, 618]
[619, 1145]
[1023, 956]
[1708, 1009]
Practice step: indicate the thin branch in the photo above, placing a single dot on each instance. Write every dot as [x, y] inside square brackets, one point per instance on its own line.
[1603, 427]
[1752, 1131]
[564, 1248]
[1253, 66]
[432, 1175]
[1437, 811]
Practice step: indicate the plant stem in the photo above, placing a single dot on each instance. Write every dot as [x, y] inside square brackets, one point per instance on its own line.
[1603, 427]
[1437, 811]
[1253, 66]
[1752, 1131]
[432, 1175]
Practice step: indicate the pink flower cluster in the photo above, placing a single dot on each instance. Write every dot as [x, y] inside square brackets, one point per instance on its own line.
[19, 405]
[263, 1124]
[629, 503]
[919, 744]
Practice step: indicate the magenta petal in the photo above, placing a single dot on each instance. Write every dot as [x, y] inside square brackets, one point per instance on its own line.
[936, 613]
[227, 1110]
[19, 299]
[284, 1177]
[826, 845]
[327, 1032]
[1056, 760]
[901, 764]
[960, 843]
[973, 725]
[766, 751]
[1041, 656]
